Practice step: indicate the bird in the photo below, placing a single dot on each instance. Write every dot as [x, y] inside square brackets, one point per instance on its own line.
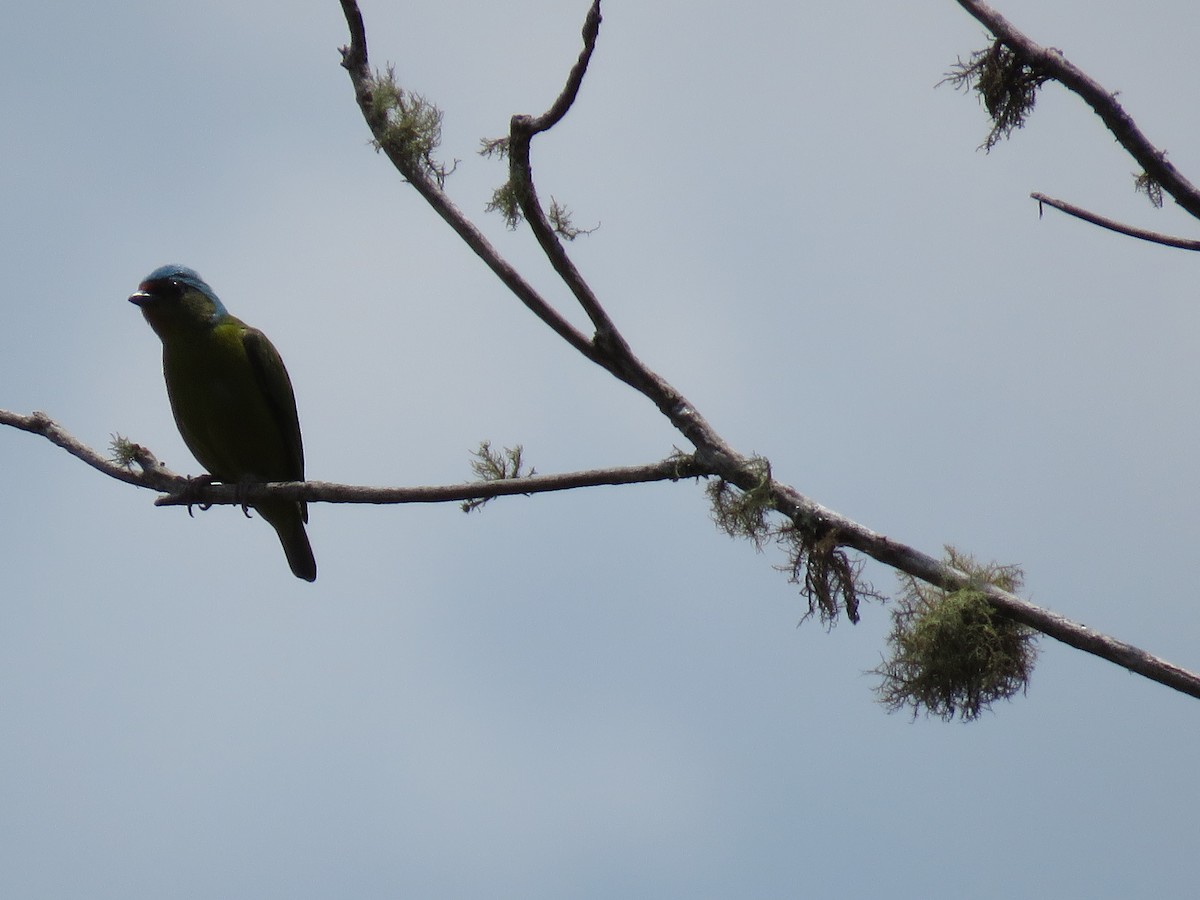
[231, 397]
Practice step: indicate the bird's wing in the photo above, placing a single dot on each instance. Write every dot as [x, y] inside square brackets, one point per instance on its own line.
[272, 378]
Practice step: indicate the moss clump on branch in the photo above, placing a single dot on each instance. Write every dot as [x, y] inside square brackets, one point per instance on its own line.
[743, 513]
[560, 220]
[124, 452]
[1006, 84]
[409, 129]
[1146, 184]
[829, 580]
[953, 653]
[506, 200]
[496, 465]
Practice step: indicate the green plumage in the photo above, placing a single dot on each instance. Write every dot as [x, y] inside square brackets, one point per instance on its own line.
[231, 396]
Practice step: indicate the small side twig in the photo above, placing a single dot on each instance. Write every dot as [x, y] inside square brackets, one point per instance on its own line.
[1141, 234]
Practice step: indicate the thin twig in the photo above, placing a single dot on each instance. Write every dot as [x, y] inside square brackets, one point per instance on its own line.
[1103, 102]
[522, 128]
[561, 106]
[1141, 234]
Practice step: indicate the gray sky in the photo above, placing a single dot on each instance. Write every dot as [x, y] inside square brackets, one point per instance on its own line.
[595, 694]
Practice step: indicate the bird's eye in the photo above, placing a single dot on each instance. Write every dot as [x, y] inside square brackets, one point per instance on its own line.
[167, 289]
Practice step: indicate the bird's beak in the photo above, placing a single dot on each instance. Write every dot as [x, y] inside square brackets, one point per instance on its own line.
[140, 298]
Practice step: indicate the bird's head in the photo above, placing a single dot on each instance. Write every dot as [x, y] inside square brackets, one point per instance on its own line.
[175, 299]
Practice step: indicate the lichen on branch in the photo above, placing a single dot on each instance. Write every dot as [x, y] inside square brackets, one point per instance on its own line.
[829, 579]
[952, 652]
[495, 465]
[1005, 83]
[411, 126]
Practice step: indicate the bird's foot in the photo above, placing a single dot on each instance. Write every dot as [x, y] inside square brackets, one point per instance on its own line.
[195, 481]
[243, 488]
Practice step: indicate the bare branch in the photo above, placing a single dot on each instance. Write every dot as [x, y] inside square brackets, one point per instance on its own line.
[354, 57]
[1141, 234]
[522, 128]
[561, 106]
[150, 474]
[1049, 61]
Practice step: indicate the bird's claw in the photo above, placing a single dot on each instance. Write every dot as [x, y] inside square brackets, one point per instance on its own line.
[195, 481]
[243, 488]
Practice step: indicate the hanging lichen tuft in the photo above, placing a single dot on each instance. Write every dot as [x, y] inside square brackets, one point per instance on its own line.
[952, 653]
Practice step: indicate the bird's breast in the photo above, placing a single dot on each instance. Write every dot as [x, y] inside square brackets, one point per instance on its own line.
[221, 409]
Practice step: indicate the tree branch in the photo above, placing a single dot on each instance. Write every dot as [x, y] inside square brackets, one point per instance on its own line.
[820, 530]
[561, 106]
[522, 128]
[712, 452]
[354, 60]
[181, 490]
[671, 469]
[1141, 234]
[1051, 62]
[151, 473]
[920, 565]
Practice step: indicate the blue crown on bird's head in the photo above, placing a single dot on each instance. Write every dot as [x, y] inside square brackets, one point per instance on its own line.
[187, 277]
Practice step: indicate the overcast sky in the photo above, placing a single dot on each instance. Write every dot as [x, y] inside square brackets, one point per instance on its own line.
[595, 694]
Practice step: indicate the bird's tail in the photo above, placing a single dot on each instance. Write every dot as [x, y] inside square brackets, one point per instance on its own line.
[288, 522]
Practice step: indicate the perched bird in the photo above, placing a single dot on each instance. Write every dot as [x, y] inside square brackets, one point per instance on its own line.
[231, 397]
